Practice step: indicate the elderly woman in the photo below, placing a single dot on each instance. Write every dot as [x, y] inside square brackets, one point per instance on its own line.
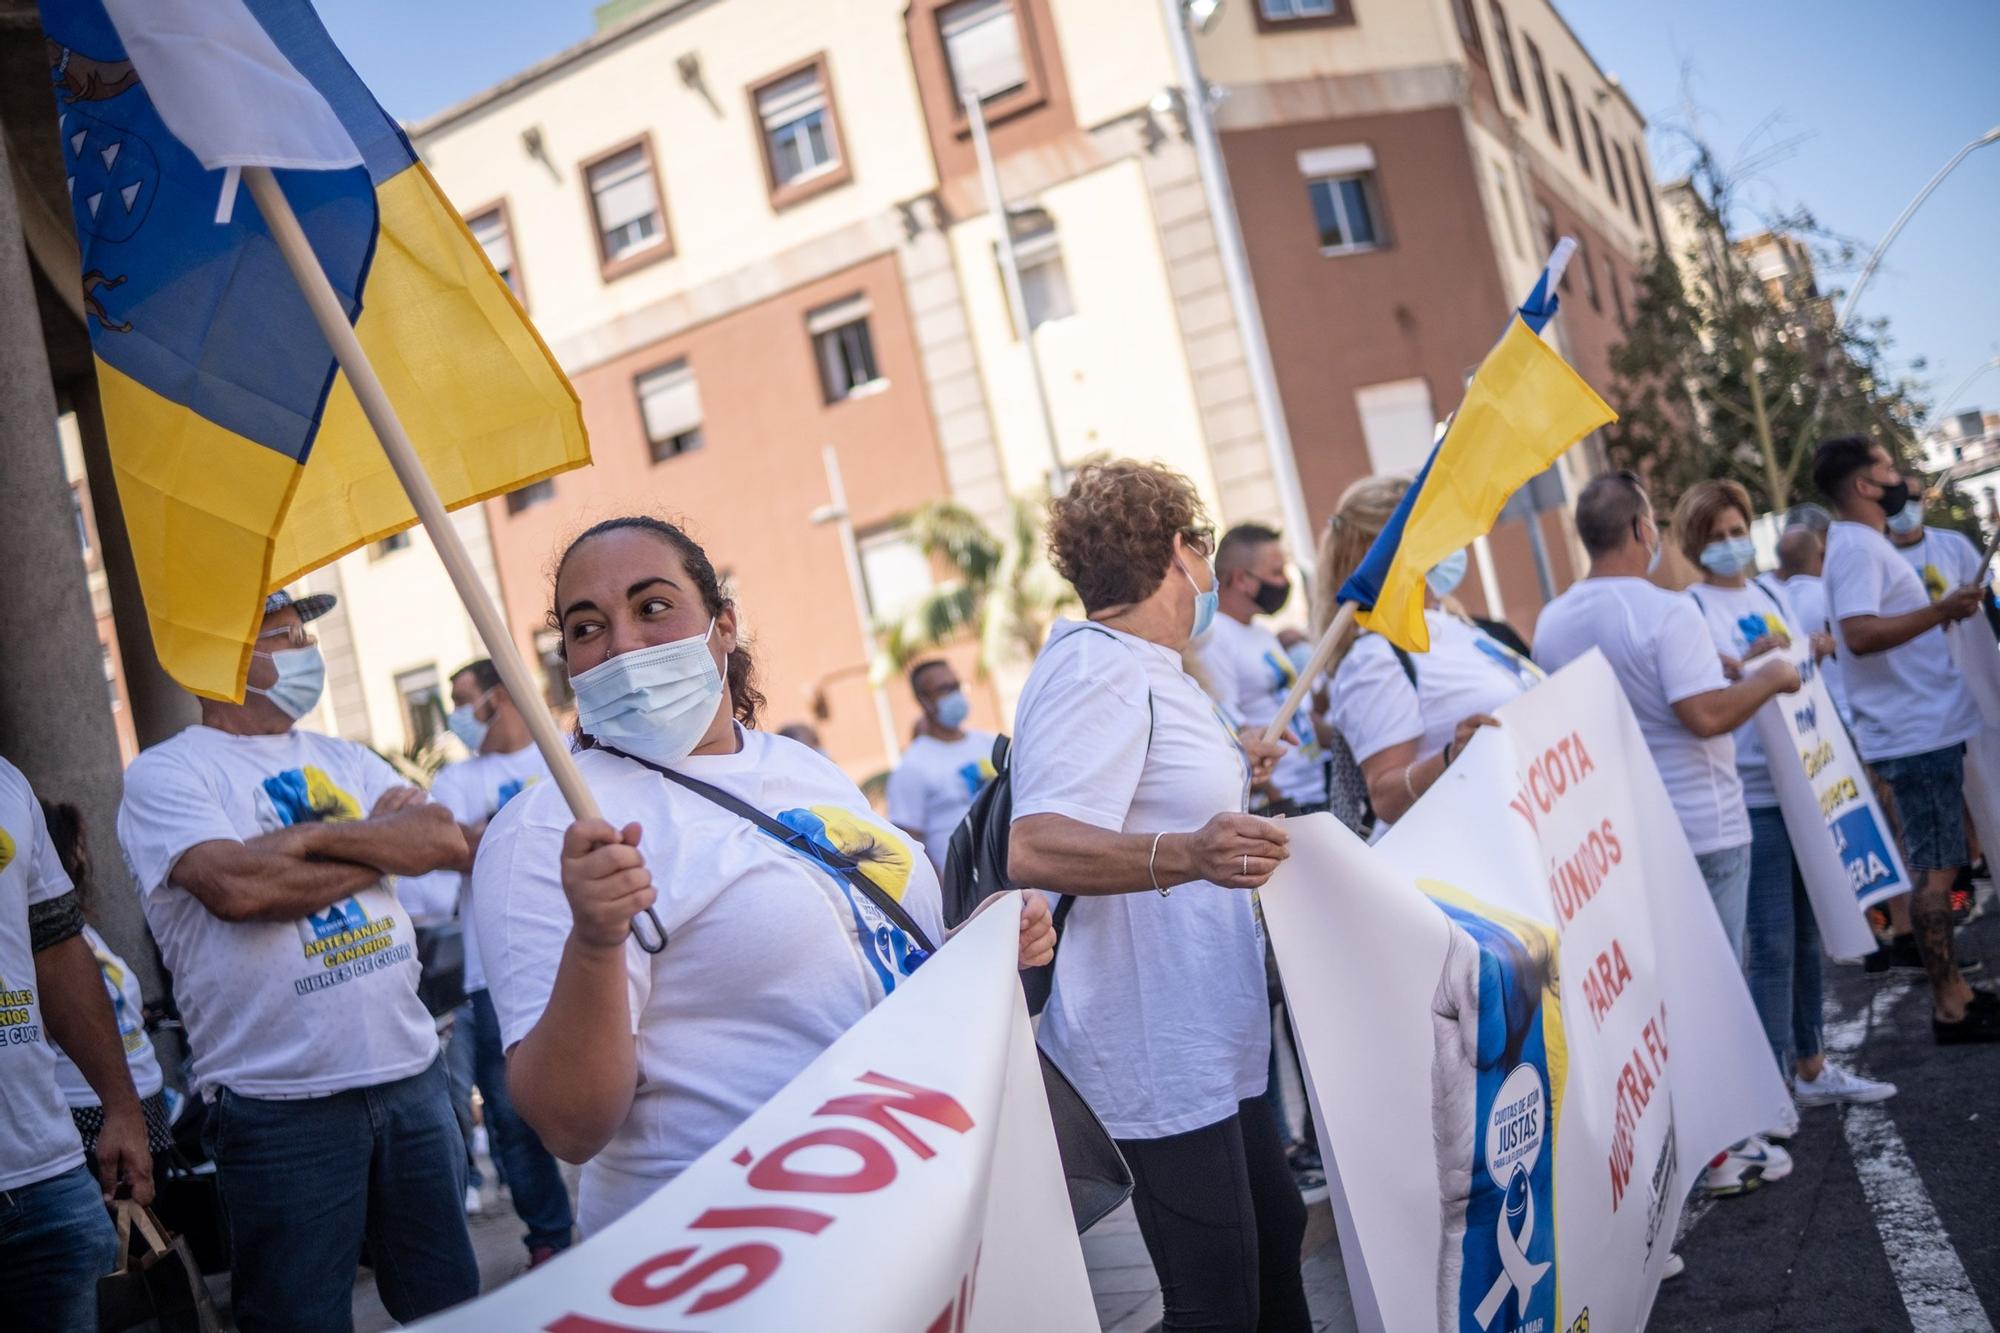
[1406, 716]
[1129, 793]
[634, 1063]
[1748, 618]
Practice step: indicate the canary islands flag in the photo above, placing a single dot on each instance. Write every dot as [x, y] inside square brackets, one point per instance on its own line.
[1523, 409]
[241, 455]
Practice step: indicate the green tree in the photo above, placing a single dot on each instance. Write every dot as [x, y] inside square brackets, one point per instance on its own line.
[1726, 373]
[1002, 589]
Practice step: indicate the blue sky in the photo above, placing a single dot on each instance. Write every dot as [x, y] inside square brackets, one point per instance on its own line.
[1878, 97]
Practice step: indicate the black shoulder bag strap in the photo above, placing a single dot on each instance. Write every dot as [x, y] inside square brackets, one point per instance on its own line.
[844, 866]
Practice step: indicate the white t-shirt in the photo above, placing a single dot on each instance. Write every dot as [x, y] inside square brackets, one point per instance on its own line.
[38, 1140]
[770, 957]
[1909, 699]
[1944, 560]
[933, 786]
[275, 1008]
[473, 790]
[128, 1008]
[1737, 618]
[1807, 594]
[1158, 1012]
[1659, 648]
[1466, 671]
[1251, 675]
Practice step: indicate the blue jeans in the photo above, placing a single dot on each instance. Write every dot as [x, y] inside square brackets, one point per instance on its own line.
[1930, 803]
[1783, 944]
[532, 1176]
[1727, 873]
[55, 1242]
[305, 1181]
[458, 1068]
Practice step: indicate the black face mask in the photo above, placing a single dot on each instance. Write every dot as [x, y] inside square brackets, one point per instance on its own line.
[1894, 497]
[1271, 597]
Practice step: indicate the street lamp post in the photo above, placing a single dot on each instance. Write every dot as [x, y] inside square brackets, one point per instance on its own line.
[1236, 274]
[1875, 257]
[1010, 278]
[835, 512]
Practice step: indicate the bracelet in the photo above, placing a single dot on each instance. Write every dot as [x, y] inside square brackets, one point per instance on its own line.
[1408, 786]
[1152, 872]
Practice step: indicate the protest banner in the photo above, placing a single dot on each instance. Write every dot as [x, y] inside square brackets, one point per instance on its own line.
[907, 1179]
[1537, 1027]
[1845, 850]
[1977, 657]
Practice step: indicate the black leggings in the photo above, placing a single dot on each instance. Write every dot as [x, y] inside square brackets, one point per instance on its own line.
[1223, 1223]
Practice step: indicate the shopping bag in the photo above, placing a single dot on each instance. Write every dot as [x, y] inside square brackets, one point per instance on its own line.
[157, 1282]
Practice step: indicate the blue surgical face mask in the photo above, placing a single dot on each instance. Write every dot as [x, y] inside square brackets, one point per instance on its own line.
[953, 709]
[1447, 574]
[465, 724]
[1204, 602]
[1301, 654]
[655, 703]
[1732, 555]
[1907, 519]
[301, 680]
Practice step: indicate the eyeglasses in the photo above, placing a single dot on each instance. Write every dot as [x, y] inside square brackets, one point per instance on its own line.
[286, 636]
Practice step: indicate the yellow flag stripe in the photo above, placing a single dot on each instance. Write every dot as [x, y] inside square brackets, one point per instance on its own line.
[1526, 406]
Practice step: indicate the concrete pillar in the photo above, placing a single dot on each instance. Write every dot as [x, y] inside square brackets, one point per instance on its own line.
[55, 717]
[160, 708]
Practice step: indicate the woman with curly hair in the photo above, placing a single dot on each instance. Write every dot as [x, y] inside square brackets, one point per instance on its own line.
[637, 1063]
[1130, 792]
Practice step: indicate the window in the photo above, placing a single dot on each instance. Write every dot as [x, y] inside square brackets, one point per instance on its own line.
[1575, 124]
[1541, 73]
[1287, 11]
[625, 201]
[1044, 280]
[670, 406]
[531, 495]
[802, 151]
[1344, 213]
[389, 545]
[1397, 424]
[1646, 193]
[111, 671]
[1625, 175]
[490, 228]
[982, 43]
[1617, 297]
[1507, 209]
[1604, 157]
[82, 523]
[423, 704]
[845, 352]
[1468, 27]
[1589, 278]
[1547, 220]
[895, 574]
[1503, 37]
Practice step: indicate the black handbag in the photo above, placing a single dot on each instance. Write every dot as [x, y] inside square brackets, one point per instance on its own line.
[1094, 1170]
[157, 1283]
[441, 967]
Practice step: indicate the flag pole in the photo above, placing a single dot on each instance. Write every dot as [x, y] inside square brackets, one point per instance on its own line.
[332, 319]
[1326, 655]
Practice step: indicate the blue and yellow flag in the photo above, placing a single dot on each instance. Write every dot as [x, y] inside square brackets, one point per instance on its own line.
[242, 457]
[1524, 408]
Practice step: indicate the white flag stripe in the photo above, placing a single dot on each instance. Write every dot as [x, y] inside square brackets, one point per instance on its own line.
[225, 90]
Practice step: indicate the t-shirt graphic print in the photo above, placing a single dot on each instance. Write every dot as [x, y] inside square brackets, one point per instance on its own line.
[887, 860]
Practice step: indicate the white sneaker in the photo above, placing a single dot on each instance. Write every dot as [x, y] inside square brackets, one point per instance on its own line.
[1737, 1171]
[1675, 1267]
[1777, 1162]
[1836, 1086]
[474, 1205]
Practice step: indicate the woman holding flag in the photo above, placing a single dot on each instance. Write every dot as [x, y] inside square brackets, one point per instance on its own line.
[765, 861]
[1749, 619]
[1407, 716]
[1130, 791]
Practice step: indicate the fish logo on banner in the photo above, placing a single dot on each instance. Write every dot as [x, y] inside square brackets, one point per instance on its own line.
[1498, 1073]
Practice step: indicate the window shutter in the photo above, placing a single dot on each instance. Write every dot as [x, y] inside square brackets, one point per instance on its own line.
[670, 401]
[984, 47]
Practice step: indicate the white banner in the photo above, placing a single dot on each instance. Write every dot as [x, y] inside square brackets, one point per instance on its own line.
[1977, 657]
[1536, 1025]
[908, 1179]
[1845, 851]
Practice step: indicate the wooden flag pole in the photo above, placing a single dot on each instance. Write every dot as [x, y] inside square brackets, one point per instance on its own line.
[1326, 655]
[381, 414]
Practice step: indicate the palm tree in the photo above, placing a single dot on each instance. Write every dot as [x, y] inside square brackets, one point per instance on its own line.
[1002, 588]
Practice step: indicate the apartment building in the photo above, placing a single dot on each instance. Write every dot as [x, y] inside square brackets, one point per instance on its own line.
[100, 589]
[754, 231]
